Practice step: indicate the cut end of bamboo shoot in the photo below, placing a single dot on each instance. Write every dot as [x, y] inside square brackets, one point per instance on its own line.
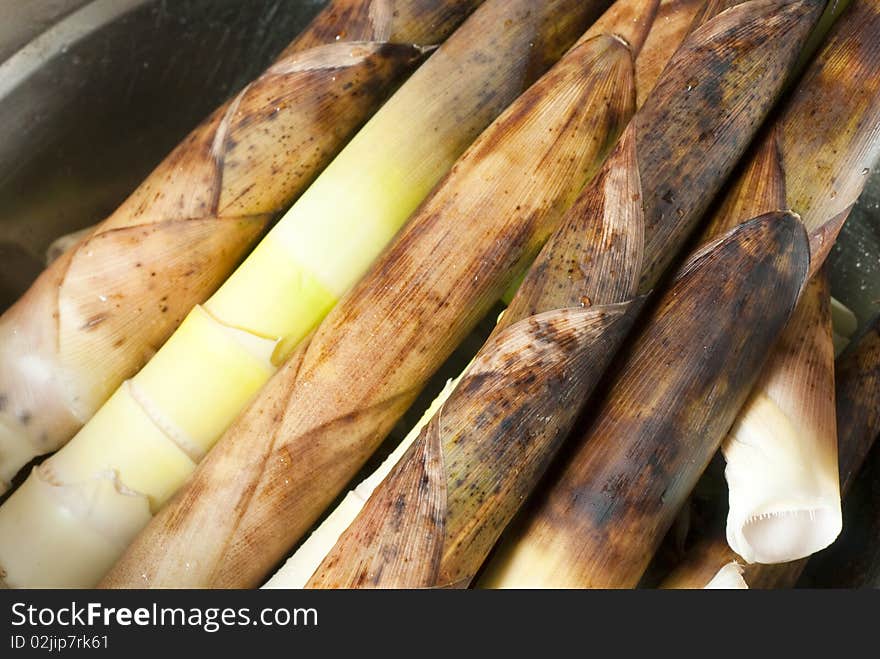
[774, 537]
[783, 505]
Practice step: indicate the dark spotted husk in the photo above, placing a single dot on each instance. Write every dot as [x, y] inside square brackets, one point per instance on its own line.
[670, 401]
[814, 159]
[483, 453]
[857, 388]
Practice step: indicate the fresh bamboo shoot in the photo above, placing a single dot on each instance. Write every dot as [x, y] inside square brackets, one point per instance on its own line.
[857, 387]
[666, 32]
[438, 514]
[784, 172]
[782, 451]
[321, 417]
[100, 310]
[672, 398]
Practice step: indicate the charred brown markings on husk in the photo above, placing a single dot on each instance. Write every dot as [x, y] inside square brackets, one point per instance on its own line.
[711, 70]
[637, 461]
[399, 540]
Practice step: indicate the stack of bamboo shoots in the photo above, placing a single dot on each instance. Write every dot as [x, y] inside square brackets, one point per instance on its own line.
[568, 152]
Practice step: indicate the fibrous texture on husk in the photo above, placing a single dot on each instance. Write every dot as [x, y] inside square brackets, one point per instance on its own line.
[785, 172]
[482, 452]
[437, 515]
[101, 309]
[782, 451]
[670, 400]
[298, 569]
[857, 391]
[319, 420]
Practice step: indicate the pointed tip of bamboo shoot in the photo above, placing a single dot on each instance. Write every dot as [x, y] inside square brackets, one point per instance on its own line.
[729, 577]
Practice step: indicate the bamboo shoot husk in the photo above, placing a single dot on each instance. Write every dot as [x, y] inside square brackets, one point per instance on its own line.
[440, 511]
[297, 570]
[666, 409]
[312, 428]
[668, 29]
[782, 173]
[782, 451]
[100, 310]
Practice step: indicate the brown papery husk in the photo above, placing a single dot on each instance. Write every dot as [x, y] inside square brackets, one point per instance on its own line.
[735, 63]
[815, 157]
[437, 515]
[857, 388]
[329, 407]
[434, 519]
[487, 447]
[99, 311]
[835, 110]
[782, 465]
[673, 22]
[671, 399]
[526, 358]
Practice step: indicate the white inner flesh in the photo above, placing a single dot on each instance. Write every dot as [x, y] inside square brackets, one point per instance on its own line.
[784, 495]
